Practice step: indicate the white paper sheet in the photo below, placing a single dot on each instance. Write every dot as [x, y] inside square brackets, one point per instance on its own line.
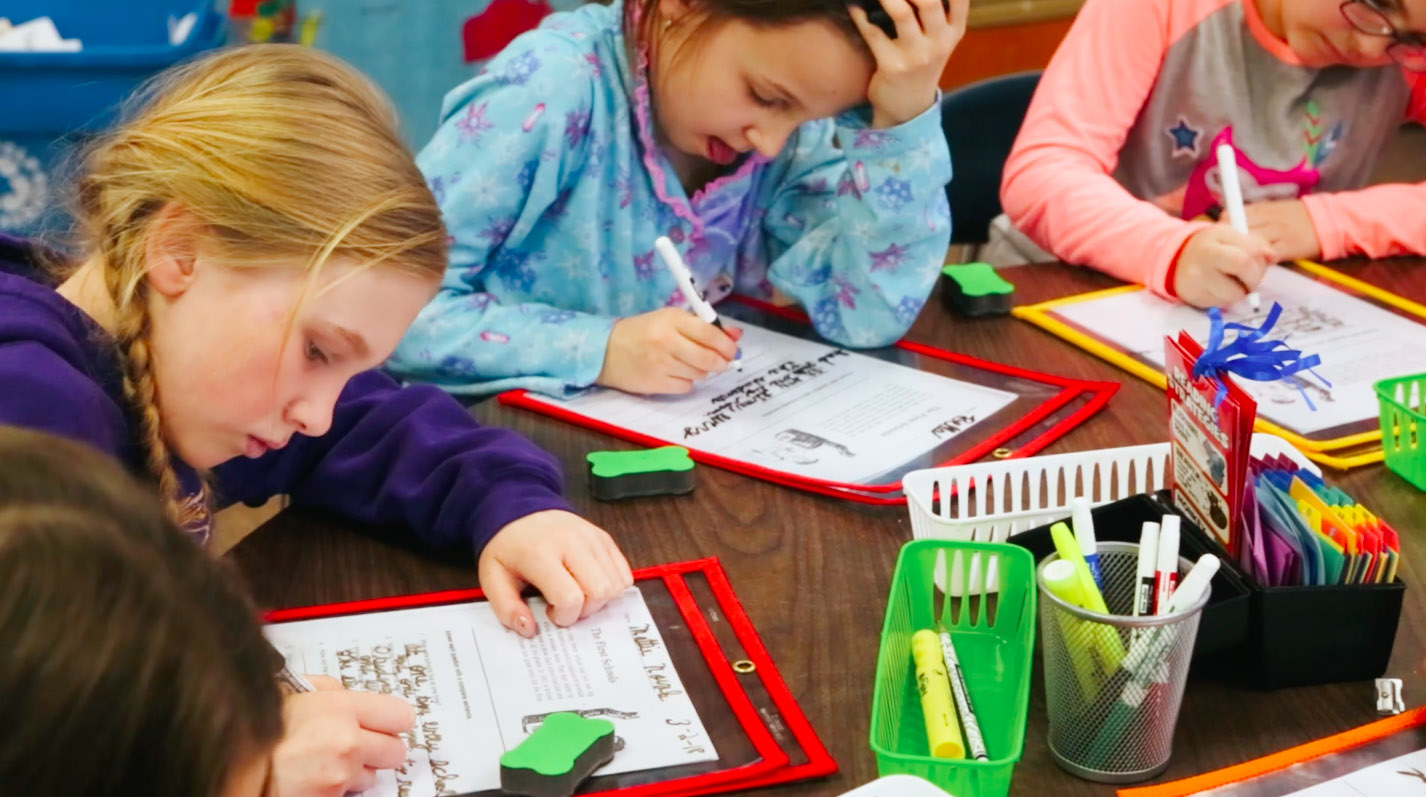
[1403, 776]
[897, 786]
[805, 407]
[1358, 341]
[479, 689]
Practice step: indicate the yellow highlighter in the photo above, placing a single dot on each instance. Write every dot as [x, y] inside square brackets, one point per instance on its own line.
[1068, 550]
[1099, 642]
[943, 730]
[1062, 581]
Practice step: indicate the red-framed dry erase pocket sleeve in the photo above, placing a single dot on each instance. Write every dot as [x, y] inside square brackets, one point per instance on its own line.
[771, 763]
[1047, 407]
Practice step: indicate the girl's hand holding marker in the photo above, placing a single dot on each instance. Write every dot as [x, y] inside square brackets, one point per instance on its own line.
[667, 350]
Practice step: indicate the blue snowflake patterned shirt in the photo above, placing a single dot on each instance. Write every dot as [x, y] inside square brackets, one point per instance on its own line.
[553, 190]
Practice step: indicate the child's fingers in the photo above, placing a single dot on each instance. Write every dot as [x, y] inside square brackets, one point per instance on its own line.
[692, 361]
[673, 385]
[593, 576]
[1248, 271]
[1218, 288]
[709, 337]
[325, 683]
[674, 367]
[1227, 291]
[1245, 259]
[664, 383]
[1212, 291]
[383, 714]
[934, 21]
[1258, 246]
[904, 16]
[1267, 251]
[698, 361]
[621, 562]
[959, 15]
[945, 23]
[878, 42]
[1252, 242]
[502, 589]
[622, 571]
[562, 592]
[615, 565]
[367, 780]
[381, 750]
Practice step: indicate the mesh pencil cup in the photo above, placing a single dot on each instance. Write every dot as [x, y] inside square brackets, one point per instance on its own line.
[1113, 684]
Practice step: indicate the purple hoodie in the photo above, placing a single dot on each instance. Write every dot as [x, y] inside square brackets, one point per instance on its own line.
[411, 456]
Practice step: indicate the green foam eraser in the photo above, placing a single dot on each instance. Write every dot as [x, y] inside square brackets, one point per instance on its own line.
[629, 474]
[561, 754]
[974, 289]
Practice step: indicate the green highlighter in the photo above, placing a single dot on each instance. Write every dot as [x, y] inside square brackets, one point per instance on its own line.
[974, 290]
[614, 475]
[561, 754]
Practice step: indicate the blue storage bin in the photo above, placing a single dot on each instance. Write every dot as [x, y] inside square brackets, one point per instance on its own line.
[412, 49]
[49, 100]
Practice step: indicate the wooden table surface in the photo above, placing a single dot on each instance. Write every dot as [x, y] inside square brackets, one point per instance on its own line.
[813, 572]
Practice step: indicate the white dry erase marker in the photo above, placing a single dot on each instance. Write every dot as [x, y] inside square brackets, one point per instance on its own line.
[1233, 200]
[295, 681]
[1084, 535]
[1166, 575]
[1195, 583]
[684, 279]
[1143, 659]
[1148, 562]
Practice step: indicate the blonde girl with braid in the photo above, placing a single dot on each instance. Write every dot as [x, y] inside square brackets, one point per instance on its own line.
[256, 239]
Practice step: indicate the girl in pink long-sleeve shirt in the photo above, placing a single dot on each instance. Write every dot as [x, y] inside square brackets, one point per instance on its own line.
[1115, 167]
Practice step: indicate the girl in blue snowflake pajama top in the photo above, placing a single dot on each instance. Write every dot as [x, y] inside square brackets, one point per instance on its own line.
[554, 190]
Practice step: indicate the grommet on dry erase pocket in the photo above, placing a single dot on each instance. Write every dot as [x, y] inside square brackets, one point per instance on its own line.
[974, 290]
[631, 474]
[561, 754]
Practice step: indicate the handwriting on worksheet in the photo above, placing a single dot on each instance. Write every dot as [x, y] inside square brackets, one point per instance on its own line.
[804, 407]
[479, 690]
[1359, 343]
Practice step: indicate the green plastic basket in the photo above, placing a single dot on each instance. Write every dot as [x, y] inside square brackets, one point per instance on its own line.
[995, 642]
[1403, 422]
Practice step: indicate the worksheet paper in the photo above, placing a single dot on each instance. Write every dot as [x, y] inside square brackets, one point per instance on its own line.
[480, 689]
[804, 407]
[897, 786]
[1359, 342]
[1398, 777]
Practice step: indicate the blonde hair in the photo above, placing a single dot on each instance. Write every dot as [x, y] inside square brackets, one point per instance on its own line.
[277, 151]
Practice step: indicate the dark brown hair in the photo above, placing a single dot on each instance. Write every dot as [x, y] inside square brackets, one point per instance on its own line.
[641, 17]
[130, 662]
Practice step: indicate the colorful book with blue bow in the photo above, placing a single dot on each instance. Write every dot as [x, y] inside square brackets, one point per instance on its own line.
[1211, 417]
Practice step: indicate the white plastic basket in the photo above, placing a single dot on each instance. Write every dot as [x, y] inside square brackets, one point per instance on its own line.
[990, 501]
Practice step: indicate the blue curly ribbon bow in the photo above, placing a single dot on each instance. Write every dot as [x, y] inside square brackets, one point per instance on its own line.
[1251, 356]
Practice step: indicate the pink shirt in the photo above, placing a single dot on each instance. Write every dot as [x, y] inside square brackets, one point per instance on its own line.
[1115, 158]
